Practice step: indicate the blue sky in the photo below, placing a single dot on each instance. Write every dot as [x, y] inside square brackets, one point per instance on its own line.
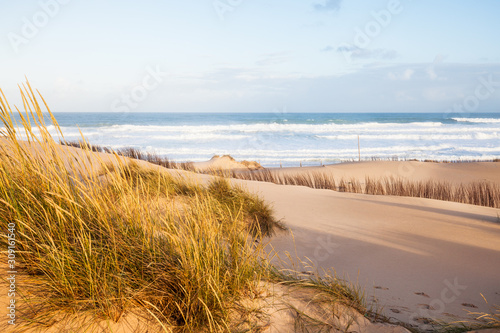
[254, 56]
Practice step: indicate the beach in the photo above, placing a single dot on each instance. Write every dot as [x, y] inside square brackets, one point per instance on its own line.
[418, 260]
[410, 259]
[321, 166]
[406, 252]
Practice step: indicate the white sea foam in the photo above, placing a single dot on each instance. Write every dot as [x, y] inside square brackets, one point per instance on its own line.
[477, 120]
[197, 137]
[400, 137]
[272, 127]
[487, 136]
[298, 152]
[297, 139]
[259, 128]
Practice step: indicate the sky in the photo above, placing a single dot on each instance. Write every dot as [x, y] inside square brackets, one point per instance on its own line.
[254, 55]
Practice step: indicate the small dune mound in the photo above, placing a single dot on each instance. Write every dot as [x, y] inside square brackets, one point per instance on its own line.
[252, 165]
[226, 162]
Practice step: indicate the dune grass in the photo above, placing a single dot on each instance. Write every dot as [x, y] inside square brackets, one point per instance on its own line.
[477, 193]
[488, 320]
[132, 153]
[105, 236]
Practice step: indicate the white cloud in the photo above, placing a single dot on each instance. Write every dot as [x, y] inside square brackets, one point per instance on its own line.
[355, 52]
[431, 73]
[408, 74]
[431, 70]
[404, 76]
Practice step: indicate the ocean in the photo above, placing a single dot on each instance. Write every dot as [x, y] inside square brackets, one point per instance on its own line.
[291, 139]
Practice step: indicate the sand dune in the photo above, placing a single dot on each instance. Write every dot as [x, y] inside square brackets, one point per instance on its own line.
[225, 162]
[418, 259]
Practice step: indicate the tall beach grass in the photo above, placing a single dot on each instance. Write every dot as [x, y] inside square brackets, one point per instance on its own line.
[106, 236]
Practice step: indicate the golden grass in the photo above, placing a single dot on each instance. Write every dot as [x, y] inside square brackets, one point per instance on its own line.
[105, 238]
[481, 321]
[488, 320]
[132, 153]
